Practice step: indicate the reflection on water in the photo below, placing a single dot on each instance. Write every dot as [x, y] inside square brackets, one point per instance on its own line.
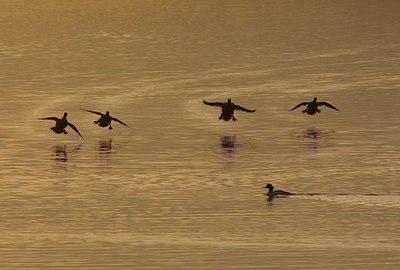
[312, 133]
[105, 149]
[314, 138]
[228, 149]
[269, 200]
[228, 143]
[105, 146]
[60, 153]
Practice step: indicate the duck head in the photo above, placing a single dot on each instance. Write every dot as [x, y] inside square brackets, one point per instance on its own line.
[107, 113]
[65, 115]
[229, 100]
[269, 186]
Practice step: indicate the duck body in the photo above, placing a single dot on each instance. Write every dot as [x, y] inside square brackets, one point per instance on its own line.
[61, 124]
[276, 193]
[105, 119]
[312, 106]
[58, 130]
[228, 108]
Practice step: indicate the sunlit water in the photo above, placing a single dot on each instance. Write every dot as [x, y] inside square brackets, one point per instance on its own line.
[181, 189]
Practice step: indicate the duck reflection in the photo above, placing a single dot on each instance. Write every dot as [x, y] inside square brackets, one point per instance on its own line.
[269, 201]
[105, 150]
[105, 147]
[312, 135]
[228, 143]
[61, 158]
[61, 153]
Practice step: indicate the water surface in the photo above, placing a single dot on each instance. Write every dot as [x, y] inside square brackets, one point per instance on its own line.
[182, 189]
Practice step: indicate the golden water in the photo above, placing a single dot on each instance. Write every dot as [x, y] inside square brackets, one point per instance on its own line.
[182, 190]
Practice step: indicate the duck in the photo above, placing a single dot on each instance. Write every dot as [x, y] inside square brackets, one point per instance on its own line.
[312, 106]
[276, 193]
[228, 108]
[61, 124]
[105, 119]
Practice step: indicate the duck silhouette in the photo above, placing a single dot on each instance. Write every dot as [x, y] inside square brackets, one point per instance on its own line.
[312, 106]
[228, 108]
[105, 119]
[61, 124]
[276, 193]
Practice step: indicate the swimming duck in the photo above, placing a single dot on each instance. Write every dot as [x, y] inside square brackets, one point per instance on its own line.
[312, 107]
[228, 109]
[61, 124]
[276, 193]
[105, 119]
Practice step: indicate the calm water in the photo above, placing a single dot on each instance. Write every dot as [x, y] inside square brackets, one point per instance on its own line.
[182, 190]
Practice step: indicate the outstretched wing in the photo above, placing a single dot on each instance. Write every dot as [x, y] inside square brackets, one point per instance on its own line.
[49, 118]
[98, 113]
[74, 128]
[327, 105]
[237, 107]
[219, 104]
[119, 121]
[301, 104]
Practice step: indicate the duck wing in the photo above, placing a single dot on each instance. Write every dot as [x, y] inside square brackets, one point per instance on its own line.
[327, 105]
[237, 107]
[50, 118]
[98, 113]
[119, 121]
[219, 104]
[74, 128]
[298, 105]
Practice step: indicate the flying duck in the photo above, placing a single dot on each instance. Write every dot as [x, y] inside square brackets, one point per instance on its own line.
[312, 107]
[276, 193]
[228, 109]
[105, 119]
[61, 124]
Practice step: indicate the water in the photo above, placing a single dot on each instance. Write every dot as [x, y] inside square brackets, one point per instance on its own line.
[182, 190]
